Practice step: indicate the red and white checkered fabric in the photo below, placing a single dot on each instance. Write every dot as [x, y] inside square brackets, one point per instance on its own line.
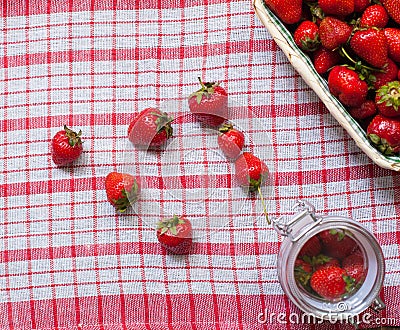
[68, 261]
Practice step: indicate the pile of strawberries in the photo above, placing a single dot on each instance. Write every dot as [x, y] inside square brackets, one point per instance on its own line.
[330, 265]
[149, 130]
[355, 45]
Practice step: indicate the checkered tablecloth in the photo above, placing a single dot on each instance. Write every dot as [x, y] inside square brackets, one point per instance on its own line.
[69, 261]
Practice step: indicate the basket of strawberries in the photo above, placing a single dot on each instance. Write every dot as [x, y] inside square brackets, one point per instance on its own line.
[348, 52]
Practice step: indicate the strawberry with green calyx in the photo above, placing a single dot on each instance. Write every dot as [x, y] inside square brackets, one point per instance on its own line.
[252, 173]
[306, 36]
[122, 190]
[371, 45]
[331, 282]
[150, 128]
[323, 261]
[393, 9]
[175, 234]
[337, 243]
[334, 32]
[384, 133]
[288, 11]
[387, 99]
[230, 140]
[209, 103]
[66, 146]
[354, 266]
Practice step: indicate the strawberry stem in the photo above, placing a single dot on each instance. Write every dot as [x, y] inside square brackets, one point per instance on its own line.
[263, 205]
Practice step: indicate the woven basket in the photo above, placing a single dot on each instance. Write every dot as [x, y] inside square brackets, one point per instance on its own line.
[305, 68]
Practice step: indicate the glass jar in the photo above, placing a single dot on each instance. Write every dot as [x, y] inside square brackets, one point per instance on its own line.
[303, 226]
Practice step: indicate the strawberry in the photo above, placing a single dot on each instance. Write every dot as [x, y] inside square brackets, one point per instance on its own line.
[374, 16]
[334, 32]
[66, 146]
[175, 234]
[393, 9]
[209, 103]
[365, 110]
[325, 59]
[354, 266]
[337, 7]
[311, 248]
[306, 36]
[289, 12]
[361, 5]
[251, 172]
[371, 45]
[393, 39]
[230, 140]
[387, 99]
[302, 271]
[331, 282]
[122, 189]
[388, 74]
[347, 86]
[384, 133]
[336, 243]
[150, 128]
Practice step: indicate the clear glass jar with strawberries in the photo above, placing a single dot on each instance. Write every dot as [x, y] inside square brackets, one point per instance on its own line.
[329, 266]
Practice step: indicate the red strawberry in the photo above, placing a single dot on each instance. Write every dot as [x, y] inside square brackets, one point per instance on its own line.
[150, 128]
[387, 99]
[311, 248]
[365, 110]
[175, 234]
[302, 271]
[288, 12]
[306, 36]
[230, 140]
[334, 32]
[361, 5]
[354, 266]
[393, 39]
[371, 46]
[347, 86]
[337, 7]
[66, 146]
[330, 282]
[393, 9]
[384, 133]
[209, 103]
[374, 16]
[325, 59]
[122, 190]
[251, 172]
[389, 74]
[336, 243]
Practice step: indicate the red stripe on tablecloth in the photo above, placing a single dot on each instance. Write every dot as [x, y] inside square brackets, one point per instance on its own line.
[128, 54]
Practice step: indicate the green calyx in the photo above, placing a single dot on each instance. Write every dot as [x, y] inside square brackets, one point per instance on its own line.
[301, 275]
[225, 127]
[206, 90]
[163, 122]
[390, 94]
[170, 225]
[128, 197]
[73, 137]
[309, 44]
[381, 144]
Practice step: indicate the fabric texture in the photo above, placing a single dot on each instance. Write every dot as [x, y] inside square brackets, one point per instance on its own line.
[69, 261]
